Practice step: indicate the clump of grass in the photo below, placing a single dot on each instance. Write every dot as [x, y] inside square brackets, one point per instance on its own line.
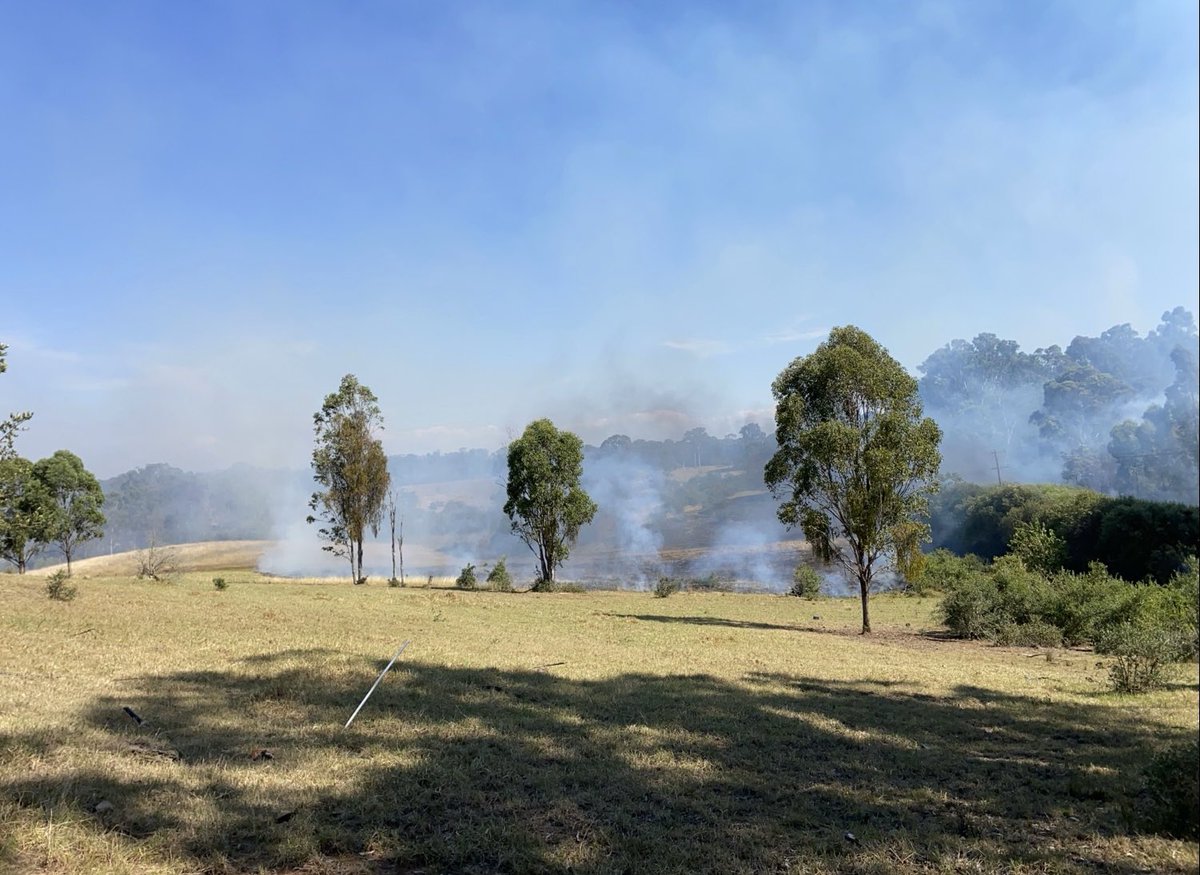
[394, 582]
[57, 587]
[666, 586]
[220, 583]
[1172, 791]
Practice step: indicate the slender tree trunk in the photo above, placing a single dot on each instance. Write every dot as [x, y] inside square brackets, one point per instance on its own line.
[402, 551]
[866, 613]
[67, 553]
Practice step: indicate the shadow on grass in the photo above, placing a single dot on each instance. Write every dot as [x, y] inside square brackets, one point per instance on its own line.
[715, 621]
[482, 770]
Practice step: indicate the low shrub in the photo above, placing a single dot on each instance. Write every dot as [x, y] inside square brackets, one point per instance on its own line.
[666, 586]
[1172, 791]
[570, 586]
[943, 572]
[1084, 605]
[1143, 652]
[806, 582]
[466, 579]
[156, 562]
[57, 587]
[1035, 633]
[498, 579]
[394, 582]
[220, 583]
[982, 603]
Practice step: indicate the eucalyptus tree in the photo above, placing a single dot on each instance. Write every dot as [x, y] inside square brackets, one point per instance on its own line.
[351, 468]
[856, 460]
[546, 504]
[25, 513]
[73, 500]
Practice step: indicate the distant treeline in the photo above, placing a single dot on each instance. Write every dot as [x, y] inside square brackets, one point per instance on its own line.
[1116, 414]
[1135, 539]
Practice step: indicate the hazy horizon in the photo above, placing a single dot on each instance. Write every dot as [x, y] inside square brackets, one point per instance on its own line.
[626, 219]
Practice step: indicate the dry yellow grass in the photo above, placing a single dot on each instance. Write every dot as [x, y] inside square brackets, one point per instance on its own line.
[201, 556]
[597, 732]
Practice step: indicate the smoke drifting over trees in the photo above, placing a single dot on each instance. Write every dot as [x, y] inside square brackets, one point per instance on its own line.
[1116, 413]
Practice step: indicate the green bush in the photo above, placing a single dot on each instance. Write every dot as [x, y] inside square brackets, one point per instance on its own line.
[57, 587]
[1185, 589]
[944, 571]
[1035, 633]
[666, 586]
[570, 586]
[1143, 652]
[220, 583]
[983, 603]
[1084, 605]
[806, 582]
[466, 579]
[1038, 547]
[498, 579]
[1172, 791]
[394, 582]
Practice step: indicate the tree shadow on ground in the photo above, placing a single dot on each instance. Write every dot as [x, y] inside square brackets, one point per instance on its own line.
[716, 621]
[452, 769]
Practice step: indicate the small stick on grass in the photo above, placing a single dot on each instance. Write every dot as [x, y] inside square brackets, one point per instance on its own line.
[374, 685]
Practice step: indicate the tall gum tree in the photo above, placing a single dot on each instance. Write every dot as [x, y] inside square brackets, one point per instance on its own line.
[856, 460]
[350, 466]
[546, 505]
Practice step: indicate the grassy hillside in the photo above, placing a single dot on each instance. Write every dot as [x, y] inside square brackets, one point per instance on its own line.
[598, 732]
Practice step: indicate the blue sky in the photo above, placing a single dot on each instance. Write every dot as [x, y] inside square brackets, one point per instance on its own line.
[626, 216]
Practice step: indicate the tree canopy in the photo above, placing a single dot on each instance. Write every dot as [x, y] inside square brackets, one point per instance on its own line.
[25, 513]
[350, 465]
[73, 500]
[856, 457]
[546, 504]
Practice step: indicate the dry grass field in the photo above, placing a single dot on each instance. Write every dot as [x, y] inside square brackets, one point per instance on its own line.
[596, 732]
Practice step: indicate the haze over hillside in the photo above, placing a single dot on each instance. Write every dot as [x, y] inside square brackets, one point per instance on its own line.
[1116, 413]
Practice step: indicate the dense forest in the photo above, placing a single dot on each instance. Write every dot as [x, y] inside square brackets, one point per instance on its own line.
[1116, 414]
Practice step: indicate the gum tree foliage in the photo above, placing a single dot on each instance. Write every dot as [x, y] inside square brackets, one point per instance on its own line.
[546, 505]
[73, 500]
[856, 458]
[10, 425]
[350, 466]
[25, 513]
